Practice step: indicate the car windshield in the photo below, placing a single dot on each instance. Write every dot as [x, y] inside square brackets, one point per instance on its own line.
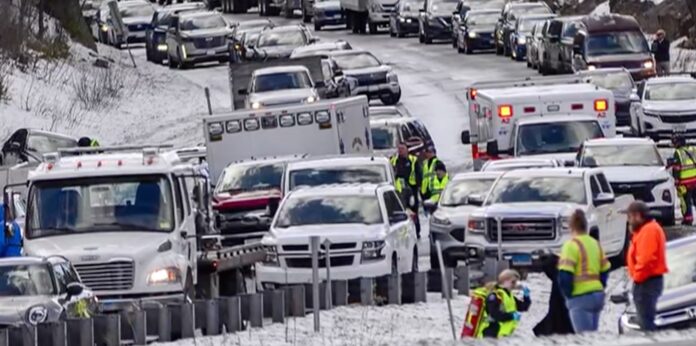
[103, 204]
[618, 42]
[681, 261]
[356, 61]
[321, 210]
[203, 22]
[337, 175]
[282, 81]
[457, 192]
[483, 19]
[559, 137]
[41, 144]
[612, 81]
[670, 92]
[384, 138]
[444, 6]
[538, 189]
[526, 25]
[621, 155]
[26, 280]
[140, 10]
[411, 5]
[273, 38]
[261, 176]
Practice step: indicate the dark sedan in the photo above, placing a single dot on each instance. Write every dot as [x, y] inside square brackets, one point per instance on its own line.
[523, 29]
[476, 31]
[436, 20]
[197, 37]
[156, 33]
[404, 19]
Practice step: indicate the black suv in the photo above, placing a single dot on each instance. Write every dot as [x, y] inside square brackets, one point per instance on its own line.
[558, 45]
[507, 20]
[476, 31]
[404, 19]
[156, 32]
[436, 20]
[197, 37]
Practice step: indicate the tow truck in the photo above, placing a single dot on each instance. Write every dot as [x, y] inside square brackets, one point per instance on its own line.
[135, 223]
[547, 117]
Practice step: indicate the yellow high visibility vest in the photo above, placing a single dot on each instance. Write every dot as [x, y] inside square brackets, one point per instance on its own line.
[438, 185]
[411, 177]
[428, 174]
[583, 257]
[509, 305]
[688, 166]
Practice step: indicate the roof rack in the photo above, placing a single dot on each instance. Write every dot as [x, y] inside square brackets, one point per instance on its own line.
[115, 149]
[530, 81]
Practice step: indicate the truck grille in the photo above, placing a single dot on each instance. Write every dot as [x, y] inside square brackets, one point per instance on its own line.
[640, 190]
[678, 119]
[334, 246]
[523, 229]
[107, 276]
[208, 42]
[625, 64]
[371, 78]
[306, 262]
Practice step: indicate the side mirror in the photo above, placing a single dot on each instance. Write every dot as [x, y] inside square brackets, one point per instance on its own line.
[313, 40]
[430, 206]
[568, 163]
[338, 73]
[475, 199]
[669, 162]
[273, 204]
[15, 146]
[604, 198]
[577, 50]
[243, 92]
[75, 289]
[621, 298]
[320, 84]
[466, 137]
[398, 217]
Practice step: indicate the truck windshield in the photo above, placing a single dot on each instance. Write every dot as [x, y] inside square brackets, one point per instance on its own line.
[281, 38]
[203, 22]
[621, 155]
[538, 189]
[282, 81]
[550, 138]
[322, 210]
[103, 204]
[458, 191]
[384, 138]
[338, 175]
[681, 260]
[618, 42]
[260, 176]
[140, 10]
[612, 81]
[671, 92]
[356, 61]
[26, 280]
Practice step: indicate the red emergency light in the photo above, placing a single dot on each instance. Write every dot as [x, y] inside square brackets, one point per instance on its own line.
[472, 94]
[577, 106]
[601, 105]
[505, 111]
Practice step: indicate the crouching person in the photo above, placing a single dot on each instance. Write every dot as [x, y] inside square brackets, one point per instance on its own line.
[502, 312]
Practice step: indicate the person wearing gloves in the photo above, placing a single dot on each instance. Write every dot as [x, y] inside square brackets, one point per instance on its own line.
[502, 308]
[583, 270]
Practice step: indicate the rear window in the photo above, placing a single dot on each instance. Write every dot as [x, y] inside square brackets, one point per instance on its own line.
[619, 42]
[550, 138]
[338, 175]
[203, 22]
[282, 81]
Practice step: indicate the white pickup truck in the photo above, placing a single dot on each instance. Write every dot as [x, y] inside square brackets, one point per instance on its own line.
[526, 215]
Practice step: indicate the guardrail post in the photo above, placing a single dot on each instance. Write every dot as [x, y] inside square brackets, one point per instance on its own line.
[139, 327]
[278, 306]
[340, 292]
[256, 310]
[231, 314]
[297, 301]
[80, 331]
[24, 335]
[394, 289]
[158, 322]
[51, 333]
[244, 304]
[367, 296]
[208, 316]
[448, 284]
[462, 281]
[107, 330]
[4, 337]
[188, 320]
[268, 303]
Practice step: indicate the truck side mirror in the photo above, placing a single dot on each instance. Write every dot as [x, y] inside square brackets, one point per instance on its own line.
[604, 198]
[273, 204]
[466, 137]
[74, 289]
[243, 92]
[475, 200]
[430, 206]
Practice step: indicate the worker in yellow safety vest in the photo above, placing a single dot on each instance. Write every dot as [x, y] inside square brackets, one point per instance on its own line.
[429, 162]
[684, 172]
[86, 142]
[408, 175]
[438, 182]
[502, 308]
[582, 274]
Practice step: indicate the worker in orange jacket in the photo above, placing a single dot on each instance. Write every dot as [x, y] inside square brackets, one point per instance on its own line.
[646, 262]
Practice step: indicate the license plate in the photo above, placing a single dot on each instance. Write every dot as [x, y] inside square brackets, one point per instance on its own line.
[210, 52]
[522, 260]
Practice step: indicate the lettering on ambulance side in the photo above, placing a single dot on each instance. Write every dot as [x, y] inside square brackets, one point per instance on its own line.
[503, 131]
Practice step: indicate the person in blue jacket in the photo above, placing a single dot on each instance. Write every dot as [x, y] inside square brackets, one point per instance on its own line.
[11, 241]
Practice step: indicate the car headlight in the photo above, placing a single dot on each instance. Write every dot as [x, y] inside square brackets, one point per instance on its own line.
[564, 222]
[256, 105]
[440, 221]
[648, 64]
[402, 19]
[372, 250]
[591, 67]
[167, 275]
[37, 314]
[392, 77]
[104, 28]
[311, 99]
[162, 47]
[271, 255]
[522, 40]
[476, 226]
[473, 35]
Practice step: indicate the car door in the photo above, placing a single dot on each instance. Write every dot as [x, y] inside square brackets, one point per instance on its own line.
[400, 234]
[567, 41]
[616, 224]
[172, 42]
[601, 212]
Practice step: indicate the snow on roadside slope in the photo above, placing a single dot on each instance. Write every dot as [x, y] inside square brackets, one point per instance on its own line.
[602, 8]
[153, 104]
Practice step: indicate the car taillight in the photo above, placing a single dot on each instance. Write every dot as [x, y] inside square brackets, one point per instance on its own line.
[601, 105]
[472, 94]
[505, 111]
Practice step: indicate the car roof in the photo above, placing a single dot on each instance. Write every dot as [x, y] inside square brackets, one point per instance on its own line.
[609, 22]
[549, 172]
[484, 11]
[362, 189]
[264, 161]
[618, 141]
[521, 162]
[671, 79]
[391, 121]
[338, 161]
[349, 52]
[538, 16]
[557, 89]
[179, 7]
[555, 119]
[279, 69]
[476, 175]
[186, 15]
[387, 111]
[254, 22]
[284, 28]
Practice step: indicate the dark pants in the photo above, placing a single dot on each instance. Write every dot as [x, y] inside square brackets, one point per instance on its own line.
[557, 319]
[688, 205]
[415, 191]
[645, 296]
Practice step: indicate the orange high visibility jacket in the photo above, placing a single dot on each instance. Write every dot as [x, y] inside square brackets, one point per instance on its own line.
[646, 254]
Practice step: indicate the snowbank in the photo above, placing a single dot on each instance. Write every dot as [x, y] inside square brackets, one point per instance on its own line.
[75, 97]
[602, 8]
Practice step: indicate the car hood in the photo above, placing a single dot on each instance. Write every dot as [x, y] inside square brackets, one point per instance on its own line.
[13, 309]
[277, 51]
[561, 157]
[622, 95]
[328, 5]
[669, 106]
[621, 174]
[137, 20]
[613, 58]
[102, 245]
[202, 33]
[334, 233]
[458, 216]
[366, 70]
[530, 209]
[285, 96]
[245, 199]
[482, 28]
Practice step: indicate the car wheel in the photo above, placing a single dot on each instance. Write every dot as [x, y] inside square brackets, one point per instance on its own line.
[170, 62]
[317, 26]
[391, 99]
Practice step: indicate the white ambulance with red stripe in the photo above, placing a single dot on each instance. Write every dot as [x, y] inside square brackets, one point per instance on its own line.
[543, 117]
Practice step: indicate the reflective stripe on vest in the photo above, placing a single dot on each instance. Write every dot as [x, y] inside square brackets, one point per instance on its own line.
[586, 275]
[687, 166]
[509, 305]
[437, 187]
[428, 174]
[411, 176]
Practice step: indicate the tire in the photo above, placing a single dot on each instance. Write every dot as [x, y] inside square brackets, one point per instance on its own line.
[391, 99]
[498, 48]
[373, 28]
[170, 62]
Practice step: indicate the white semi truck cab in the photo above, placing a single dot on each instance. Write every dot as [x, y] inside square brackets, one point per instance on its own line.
[125, 217]
[536, 117]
